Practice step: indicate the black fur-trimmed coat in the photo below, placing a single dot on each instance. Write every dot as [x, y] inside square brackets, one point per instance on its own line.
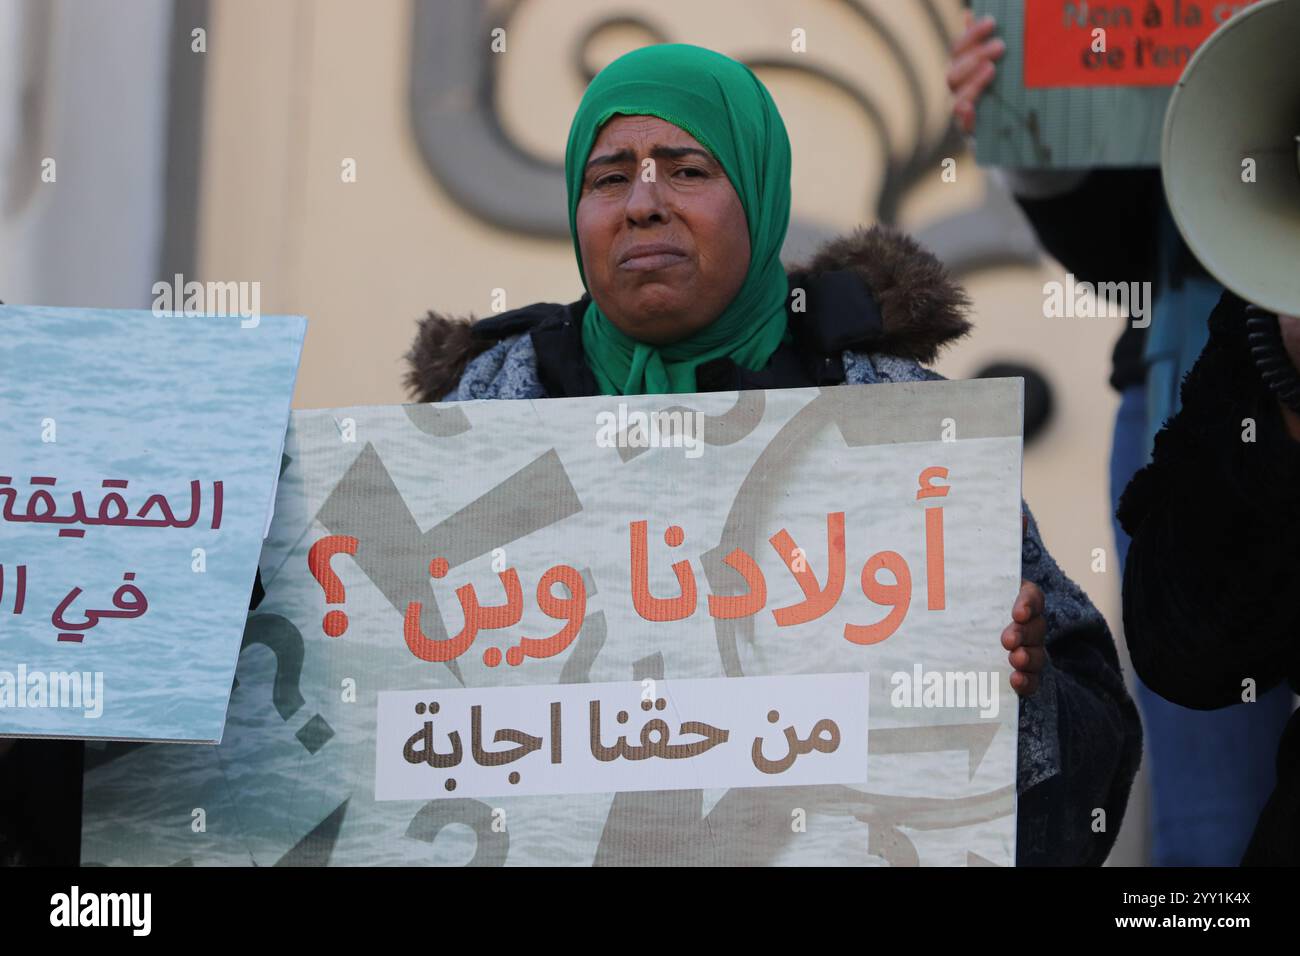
[874, 289]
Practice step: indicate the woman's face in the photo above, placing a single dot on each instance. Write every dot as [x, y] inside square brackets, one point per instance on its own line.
[665, 244]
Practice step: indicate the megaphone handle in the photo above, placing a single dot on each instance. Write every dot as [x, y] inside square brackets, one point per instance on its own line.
[1275, 366]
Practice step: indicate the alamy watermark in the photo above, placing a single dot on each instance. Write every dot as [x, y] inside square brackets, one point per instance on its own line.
[130, 910]
[946, 689]
[668, 428]
[1087, 300]
[72, 690]
[179, 297]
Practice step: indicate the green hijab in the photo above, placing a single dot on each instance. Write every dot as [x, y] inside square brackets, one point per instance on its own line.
[727, 109]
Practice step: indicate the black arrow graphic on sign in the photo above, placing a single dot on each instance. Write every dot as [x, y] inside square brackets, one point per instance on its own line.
[366, 498]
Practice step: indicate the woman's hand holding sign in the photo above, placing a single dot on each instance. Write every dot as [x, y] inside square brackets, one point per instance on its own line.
[971, 69]
[1026, 636]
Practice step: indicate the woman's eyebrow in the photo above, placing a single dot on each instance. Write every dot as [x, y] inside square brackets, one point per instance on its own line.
[658, 152]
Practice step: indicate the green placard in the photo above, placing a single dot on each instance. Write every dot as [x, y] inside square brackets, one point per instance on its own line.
[1064, 127]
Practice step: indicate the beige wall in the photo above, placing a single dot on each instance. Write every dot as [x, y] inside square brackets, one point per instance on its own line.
[296, 87]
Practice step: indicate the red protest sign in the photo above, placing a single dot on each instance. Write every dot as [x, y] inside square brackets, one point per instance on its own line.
[1116, 42]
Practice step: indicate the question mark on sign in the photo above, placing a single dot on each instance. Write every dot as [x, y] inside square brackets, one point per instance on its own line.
[318, 561]
[284, 640]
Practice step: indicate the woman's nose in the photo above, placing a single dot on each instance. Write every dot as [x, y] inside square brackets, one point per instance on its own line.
[645, 200]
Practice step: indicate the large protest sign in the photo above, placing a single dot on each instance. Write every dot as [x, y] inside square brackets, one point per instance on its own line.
[1086, 82]
[758, 627]
[138, 460]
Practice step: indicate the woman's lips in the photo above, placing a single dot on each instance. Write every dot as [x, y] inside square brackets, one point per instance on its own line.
[652, 261]
[649, 256]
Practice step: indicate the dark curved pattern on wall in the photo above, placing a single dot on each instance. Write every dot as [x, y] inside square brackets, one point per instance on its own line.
[453, 87]
[456, 127]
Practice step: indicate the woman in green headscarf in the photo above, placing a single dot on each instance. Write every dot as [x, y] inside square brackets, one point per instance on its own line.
[678, 175]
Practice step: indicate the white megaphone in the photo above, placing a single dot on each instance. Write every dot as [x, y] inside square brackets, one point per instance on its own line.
[1230, 157]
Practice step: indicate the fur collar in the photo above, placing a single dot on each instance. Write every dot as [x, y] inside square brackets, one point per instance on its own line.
[922, 308]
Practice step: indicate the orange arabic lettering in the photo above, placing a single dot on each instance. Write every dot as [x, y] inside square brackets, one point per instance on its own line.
[898, 595]
[647, 605]
[817, 600]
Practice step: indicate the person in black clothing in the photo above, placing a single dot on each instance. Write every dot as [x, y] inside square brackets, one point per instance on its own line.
[40, 802]
[1212, 583]
[1210, 773]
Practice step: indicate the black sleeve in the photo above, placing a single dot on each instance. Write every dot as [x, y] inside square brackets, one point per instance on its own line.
[1212, 583]
[1107, 229]
[1104, 230]
[1080, 735]
[40, 803]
